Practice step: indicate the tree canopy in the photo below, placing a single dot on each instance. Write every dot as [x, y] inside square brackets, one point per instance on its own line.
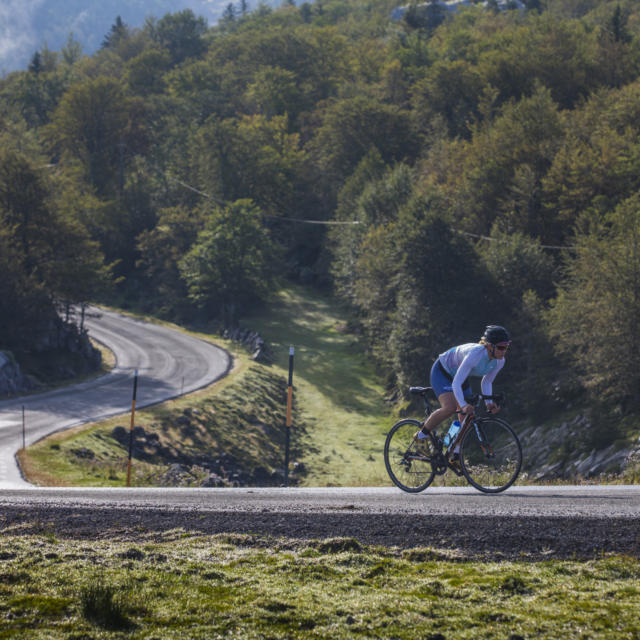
[481, 165]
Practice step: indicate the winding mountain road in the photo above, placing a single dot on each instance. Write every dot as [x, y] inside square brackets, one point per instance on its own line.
[169, 364]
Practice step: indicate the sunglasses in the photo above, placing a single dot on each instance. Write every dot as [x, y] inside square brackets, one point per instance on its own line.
[501, 347]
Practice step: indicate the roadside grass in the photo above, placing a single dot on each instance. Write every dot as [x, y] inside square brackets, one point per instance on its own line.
[177, 585]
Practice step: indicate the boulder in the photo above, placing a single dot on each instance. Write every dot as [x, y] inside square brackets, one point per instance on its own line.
[213, 480]
[83, 452]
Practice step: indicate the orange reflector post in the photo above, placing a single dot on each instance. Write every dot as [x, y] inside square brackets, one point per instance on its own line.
[133, 414]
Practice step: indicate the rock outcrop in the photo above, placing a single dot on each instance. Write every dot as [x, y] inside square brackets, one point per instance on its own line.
[63, 350]
[251, 340]
[558, 452]
[12, 380]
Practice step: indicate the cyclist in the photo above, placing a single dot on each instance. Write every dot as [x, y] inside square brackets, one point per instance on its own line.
[451, 372]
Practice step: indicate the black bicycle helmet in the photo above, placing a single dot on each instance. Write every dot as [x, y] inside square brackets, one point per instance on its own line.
[495, 334]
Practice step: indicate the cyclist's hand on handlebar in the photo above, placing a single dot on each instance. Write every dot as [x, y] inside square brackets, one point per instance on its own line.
[468, 409]
[492, 407]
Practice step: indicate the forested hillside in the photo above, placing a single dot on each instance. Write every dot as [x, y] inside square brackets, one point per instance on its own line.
[471, 168]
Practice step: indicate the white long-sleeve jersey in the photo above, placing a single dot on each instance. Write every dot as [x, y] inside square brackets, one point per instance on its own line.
[470, 360]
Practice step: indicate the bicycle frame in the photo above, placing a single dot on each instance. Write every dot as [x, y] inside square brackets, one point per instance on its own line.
[470, 419]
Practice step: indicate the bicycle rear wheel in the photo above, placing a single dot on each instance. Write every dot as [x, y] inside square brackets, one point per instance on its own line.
[491, 455]
[410, 469]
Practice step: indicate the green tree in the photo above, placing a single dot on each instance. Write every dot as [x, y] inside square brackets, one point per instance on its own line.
[350, 128]
[72, 51]
[452, 90]
[77, 272]
[517, 264]
[274, 91]
[523, 275]
[594, 319]
[145, 72]
[371, 198]
[598, 163]
[498, 174]
[254, 157]
[419, 288]
[36, 92]
[232, 266]
[23, 300]
[118, 32]
[51, 253]
[24, 207]
[617, 26]
[35, 66]
[92, 121]
[444, 296]
[161, 249]
[181, 34]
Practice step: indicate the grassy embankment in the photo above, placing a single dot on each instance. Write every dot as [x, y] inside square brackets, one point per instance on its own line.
[184, 586]
[340, 417]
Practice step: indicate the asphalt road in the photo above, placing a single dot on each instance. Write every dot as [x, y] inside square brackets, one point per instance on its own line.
[169, 364]
[605, 501]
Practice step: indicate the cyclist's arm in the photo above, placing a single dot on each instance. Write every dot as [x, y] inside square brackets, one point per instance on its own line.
[462, 374]
[487, 380]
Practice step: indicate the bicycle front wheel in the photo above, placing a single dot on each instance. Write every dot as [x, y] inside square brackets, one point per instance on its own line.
[408, 467]
[491, 455]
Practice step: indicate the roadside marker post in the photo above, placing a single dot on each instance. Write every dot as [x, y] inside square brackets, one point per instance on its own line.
[288, 423]
[133, 413]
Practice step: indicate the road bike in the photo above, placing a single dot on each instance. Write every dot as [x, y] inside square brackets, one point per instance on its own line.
[487, 449]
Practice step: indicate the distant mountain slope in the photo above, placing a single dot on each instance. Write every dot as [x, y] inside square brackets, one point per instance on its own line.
[26, 25]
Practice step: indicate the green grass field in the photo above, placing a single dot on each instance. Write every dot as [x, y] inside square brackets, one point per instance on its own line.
[192, 587]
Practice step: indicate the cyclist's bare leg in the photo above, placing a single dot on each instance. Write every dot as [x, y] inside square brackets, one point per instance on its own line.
[448, 406]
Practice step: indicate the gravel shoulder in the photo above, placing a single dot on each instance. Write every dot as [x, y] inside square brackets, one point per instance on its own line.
[494, 538]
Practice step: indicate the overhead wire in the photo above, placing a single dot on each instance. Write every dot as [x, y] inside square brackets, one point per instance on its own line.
[301, 220]
[489, 239]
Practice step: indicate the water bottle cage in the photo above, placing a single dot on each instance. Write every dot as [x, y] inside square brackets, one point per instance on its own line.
[452, 436]
[451, 443]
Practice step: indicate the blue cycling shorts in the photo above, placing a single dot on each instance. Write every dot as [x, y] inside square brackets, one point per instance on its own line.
[442, 384]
